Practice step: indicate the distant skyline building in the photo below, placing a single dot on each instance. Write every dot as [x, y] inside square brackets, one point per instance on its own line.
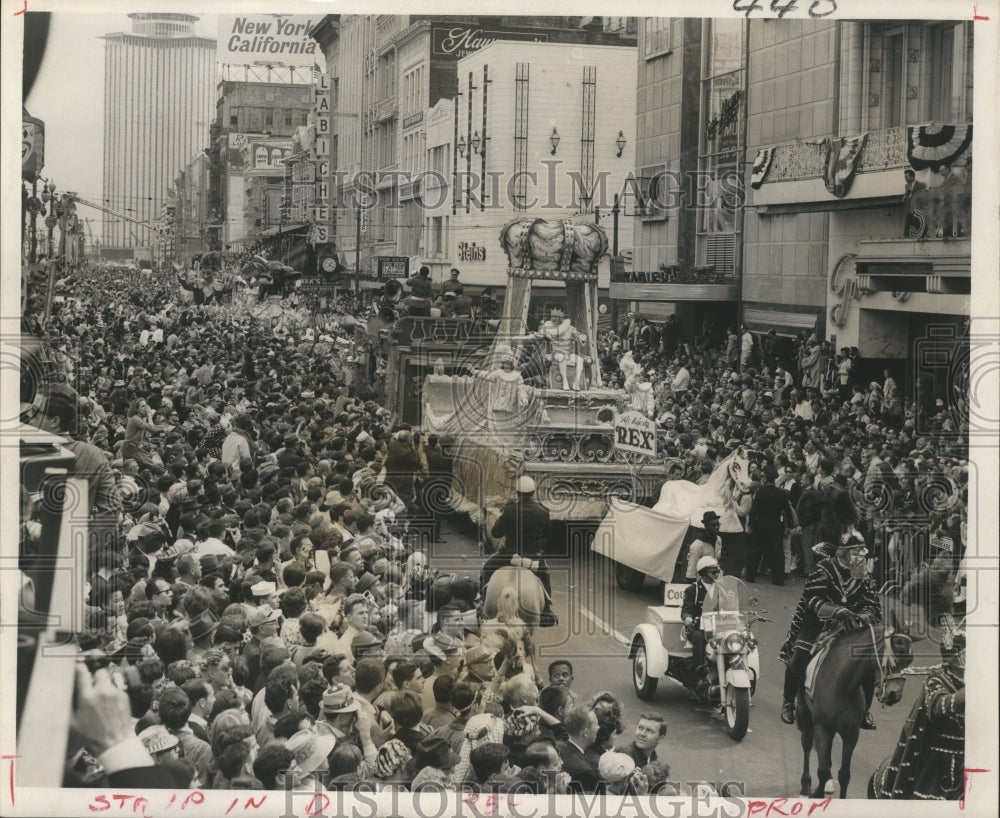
[159, 101]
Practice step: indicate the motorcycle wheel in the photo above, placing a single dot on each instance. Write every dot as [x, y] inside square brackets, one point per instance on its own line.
[737, 712]
[645, 685]
[628, 579]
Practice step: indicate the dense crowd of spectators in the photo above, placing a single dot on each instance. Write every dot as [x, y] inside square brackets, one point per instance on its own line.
[257, 564]
[846, 454]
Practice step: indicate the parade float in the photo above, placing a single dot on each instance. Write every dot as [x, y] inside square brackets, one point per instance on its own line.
[515, 402]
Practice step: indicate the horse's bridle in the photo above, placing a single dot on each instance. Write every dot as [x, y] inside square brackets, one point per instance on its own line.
[887, 664]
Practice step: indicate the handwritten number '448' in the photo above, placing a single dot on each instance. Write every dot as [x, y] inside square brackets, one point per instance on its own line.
[819, 8]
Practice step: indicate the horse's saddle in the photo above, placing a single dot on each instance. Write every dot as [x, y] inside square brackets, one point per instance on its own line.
[812, 669]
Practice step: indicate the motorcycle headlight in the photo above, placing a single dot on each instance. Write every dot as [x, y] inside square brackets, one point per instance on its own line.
[734, 642]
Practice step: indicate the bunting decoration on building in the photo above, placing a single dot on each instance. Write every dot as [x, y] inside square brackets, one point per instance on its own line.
[842, 154]
[930, 146]
[761, 165]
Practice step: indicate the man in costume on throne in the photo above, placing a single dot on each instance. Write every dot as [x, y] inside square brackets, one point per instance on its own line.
[563, 340]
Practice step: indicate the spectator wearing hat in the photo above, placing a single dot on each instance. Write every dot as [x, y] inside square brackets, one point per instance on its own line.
[391, 761]
[446, 304]
[349, 722]
[770, 512]
[367, 645]
[452, 285]
[263, 630]
[310, 749]
[202, 629]
[432, 752]
[160, 743]
[621, 775]
[264, 593]
[708, 544]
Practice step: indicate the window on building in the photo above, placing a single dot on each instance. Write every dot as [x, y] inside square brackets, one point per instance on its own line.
[719, 188]
[269, 117]
[288, 117]
[409, 239]
[437, 235]
[387, 72]
[650, 193]
[918, 72]
[655, 36]
[234, 118]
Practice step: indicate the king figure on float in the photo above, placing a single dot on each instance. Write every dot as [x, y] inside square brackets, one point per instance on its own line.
[563, 341]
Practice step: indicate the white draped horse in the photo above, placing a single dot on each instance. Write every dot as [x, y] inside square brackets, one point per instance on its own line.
[731, 478]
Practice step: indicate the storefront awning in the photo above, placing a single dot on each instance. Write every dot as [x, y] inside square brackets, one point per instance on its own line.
[631, 291]
[789, 324]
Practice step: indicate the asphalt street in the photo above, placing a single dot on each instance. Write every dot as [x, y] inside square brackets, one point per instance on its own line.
[596, 622]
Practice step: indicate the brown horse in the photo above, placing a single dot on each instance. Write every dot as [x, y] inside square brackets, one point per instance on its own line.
[857, 660]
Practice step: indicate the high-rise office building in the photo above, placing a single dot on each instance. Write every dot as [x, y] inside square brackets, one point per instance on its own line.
[159, 100]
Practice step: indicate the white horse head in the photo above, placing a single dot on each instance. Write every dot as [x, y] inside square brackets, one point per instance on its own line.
[680, 498]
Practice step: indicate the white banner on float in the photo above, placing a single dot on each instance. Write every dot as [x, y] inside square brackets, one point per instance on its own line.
[276, 39]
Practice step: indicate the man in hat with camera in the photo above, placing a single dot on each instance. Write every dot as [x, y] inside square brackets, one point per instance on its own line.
[839, 593]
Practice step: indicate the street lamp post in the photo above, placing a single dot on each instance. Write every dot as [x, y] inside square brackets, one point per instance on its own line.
[49, 198]
[34, 208]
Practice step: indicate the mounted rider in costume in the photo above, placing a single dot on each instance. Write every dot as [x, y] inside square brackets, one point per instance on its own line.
[841, 593]
[524, 524]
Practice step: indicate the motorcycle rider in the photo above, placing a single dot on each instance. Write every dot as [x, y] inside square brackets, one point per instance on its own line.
[840, 592]
[694, 599]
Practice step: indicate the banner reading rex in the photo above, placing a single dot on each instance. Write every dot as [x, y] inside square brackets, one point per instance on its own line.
[279, 39]
[635, 433]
